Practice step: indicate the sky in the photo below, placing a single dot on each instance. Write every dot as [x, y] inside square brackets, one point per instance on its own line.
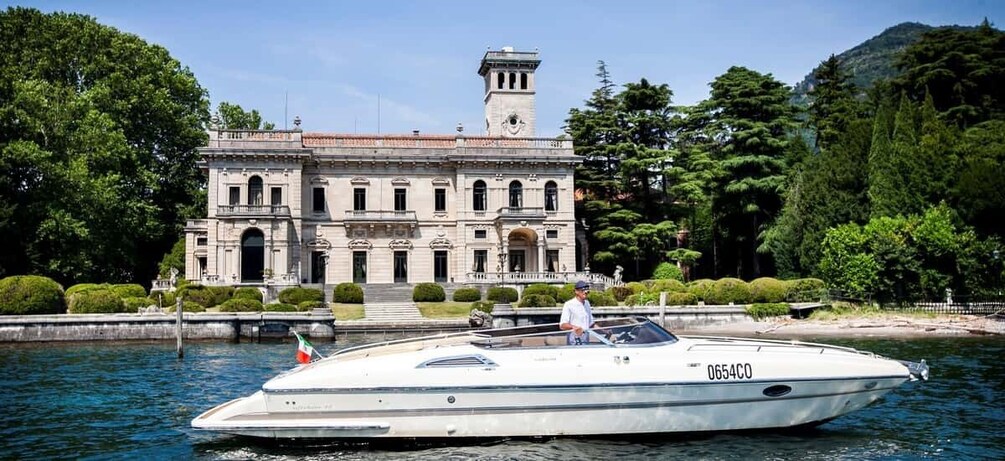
[368, 66]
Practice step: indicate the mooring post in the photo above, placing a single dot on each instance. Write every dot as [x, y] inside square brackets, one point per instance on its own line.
[177, 329]
[663, 309]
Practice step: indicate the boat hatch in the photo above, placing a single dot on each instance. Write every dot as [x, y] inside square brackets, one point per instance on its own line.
[474, 360]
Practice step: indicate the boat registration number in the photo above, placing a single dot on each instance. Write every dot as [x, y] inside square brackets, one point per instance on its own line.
[730, 371]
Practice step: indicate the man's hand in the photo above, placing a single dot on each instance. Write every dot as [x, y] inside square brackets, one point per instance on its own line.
[578, 330]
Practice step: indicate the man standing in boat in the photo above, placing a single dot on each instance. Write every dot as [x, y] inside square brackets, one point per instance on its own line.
[577, 315]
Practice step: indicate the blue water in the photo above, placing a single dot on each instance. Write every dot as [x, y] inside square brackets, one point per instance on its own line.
[136, 400]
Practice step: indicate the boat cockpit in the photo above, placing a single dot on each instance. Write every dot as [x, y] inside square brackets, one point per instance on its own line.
[607, 333]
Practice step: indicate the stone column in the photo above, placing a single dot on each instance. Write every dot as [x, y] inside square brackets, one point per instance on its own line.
[540, 255]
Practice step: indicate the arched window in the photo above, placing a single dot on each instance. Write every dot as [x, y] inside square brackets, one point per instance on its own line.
[252, 255]
[512, 80]
[500, 77]
[479, 196]
[551, 196]
[515, 194]
[523, 81]
[255, 191]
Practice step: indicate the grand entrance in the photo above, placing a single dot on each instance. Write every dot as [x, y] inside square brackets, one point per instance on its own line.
[252, 256]
[523, 248]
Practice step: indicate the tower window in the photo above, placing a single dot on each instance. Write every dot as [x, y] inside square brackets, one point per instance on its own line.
[512, 80]
[500, 77]
[478, 196]
[523, 81]
[515, 194]
[551, 196]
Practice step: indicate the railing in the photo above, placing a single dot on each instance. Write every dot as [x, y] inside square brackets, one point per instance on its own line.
[525, 143]
[257, 135]
[511, 55]
[380, 215]
[253, 210]
[431, 142]
[963, 305]
[511, 212]
[538, 277]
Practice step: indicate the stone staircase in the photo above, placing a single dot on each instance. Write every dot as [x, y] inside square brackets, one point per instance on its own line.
[392, 312]
[387, 292]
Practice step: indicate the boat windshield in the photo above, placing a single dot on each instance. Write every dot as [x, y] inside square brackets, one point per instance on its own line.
[612, 332]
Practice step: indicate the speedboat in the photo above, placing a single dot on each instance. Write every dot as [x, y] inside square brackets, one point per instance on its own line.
[630, 377]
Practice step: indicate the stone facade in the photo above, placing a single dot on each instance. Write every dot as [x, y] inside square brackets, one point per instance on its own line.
[289, 207]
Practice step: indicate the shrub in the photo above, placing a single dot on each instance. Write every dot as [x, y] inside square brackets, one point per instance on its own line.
[467, 295]
[428, 292]
[669, 285]
[620, 293]
[84, 287]
[600, 298]
[205, 296]
[96, 302]
[281, 307]
[241, 305]
[310, 305]
[567, 292]
[541, 289]
[188, 306]
[761, 310]
[297, 295]
[645, 298]
[668, 271]
[728, 290]
[502, 294]
[681, 299]
[248, 293]
[767, 290]
[484, 306]
[636, 287]
[31, 295]
[699, 288]
[803, 290]
[537, 301]
[133, 304]
[348, 293]
[129, 290]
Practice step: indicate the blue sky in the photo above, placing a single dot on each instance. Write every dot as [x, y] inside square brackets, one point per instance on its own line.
[335, 58]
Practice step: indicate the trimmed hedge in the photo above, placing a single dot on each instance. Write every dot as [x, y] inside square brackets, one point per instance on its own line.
[241, 305]
[428, 293]
[484, 306]
[502, 295]
[129, 290]
[670, 285]
[31, 295]
[541, 289]
[643, 299]
[699, 288]
[281, 307]
[620, 293]
[84, 287]
[636, 287]
[537, 301]
[728, 290]
[804, 290]
[297, 295]
[767, 290]
[681, 299]
[310, 305]
[465, 295]
[133, 304]
[102, 301]
[761, 310]
[205, 296]
[348, 293]
[600, 298]
[668, 271]
[248, 293]
[567, 292]
[188, 306]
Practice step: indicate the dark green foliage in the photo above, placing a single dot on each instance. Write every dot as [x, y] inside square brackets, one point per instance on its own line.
[668, 271]
[85, 287]
[763, 310]
[600, 299]
[620, 293]
[129, 290]
[30, 295]
[134, 304]
[281, 307]
[205, 296]
[670, 285]
[297, 295]
[241, 305]
[174, 259]
[428, 292]
[101, 301]
[767, 290]
[681, 299]
[699, 288]
[805, 290]
[233, 117]
[566, 292]
[467, 294]
[728, 290]
[980, 190]
[187, 306]
[484, 306]
[348, 293]
[248, 293]
[98, 149]
[502, 295]
[541, 289]
[308, 306]
[537, 301]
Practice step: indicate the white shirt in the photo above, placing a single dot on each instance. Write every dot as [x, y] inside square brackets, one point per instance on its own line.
[578, 314]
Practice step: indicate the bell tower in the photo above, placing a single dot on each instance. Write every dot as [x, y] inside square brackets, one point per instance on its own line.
[509, 92]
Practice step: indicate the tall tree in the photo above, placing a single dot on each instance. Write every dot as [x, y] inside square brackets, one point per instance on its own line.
[233, 117]
[97, 148]
[833, 104]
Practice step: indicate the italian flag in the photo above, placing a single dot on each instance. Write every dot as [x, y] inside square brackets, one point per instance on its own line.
[305, 351]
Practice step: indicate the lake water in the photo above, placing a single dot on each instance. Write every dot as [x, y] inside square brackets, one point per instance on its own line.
[135, 401]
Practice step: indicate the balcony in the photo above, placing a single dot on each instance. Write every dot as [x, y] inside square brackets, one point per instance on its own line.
[256, 211]
[380, 216]
[511, 213]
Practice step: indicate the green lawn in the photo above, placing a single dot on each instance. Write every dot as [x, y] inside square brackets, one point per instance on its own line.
[347, 311]
[445, 310]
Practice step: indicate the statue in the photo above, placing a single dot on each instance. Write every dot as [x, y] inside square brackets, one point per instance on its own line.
[479, 319]
[617, 275]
